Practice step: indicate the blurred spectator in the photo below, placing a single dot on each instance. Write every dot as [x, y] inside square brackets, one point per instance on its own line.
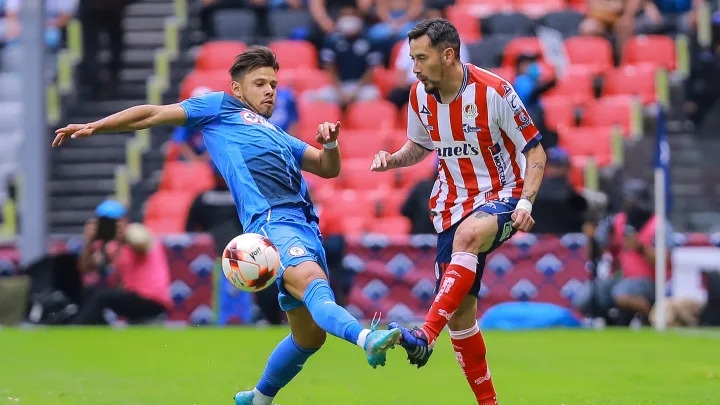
[261, 8]
[558, 208]
[602, 17]
[349, 56]
[416, 207]
[285, 114]
[98, 17]
[529, 88]
[135, 266]
[325, 14]
[702, 89]
[57, 12]
[397, 18]
[190, 144]
[663, 16]
[404, 64]
[631, 241]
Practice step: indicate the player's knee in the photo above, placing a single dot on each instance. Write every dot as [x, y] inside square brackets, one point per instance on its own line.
[476, 236]
[296, 279]
[310, 337]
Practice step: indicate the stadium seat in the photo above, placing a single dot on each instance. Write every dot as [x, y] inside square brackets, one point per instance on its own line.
[595, 52]
[657, 49]
[566, 21]
[235, 24]
[374, 115]
[609, 111]
[505, 72]
[488, 52]
[321, 189]
[218, 55]
[313, 114]
[395, 51]
[510, 23]
[353, 225]
[192, 177]
[362, 144]
[301, 80]
[11, 86]
[392, 202]
[199, 82]
[558, 111]
[585, 142]
[633, 80]
[356, 175]
[384, 79]
[468, 25]
[402, 118]
[407, 177]
[485, 8]
[519, 46]
[295, 54]
[284, 23]
[357, 202]
[537, 8]
[166, 211]
[391, 226]
[577, 174]
[576, 84]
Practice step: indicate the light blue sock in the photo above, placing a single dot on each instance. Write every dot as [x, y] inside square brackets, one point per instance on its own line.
[331, 317]
[284, 364]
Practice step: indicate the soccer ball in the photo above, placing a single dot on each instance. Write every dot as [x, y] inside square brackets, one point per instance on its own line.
[251, 262]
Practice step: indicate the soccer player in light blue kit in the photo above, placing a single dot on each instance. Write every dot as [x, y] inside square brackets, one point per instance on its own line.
[261, 164]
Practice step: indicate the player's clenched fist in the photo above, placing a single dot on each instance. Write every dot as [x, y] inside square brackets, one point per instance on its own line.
[382, 161]
[522, 220]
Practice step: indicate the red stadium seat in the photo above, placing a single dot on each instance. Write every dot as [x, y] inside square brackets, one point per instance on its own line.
[218, 55]
[357, 202]
[632, 80]
[295, 54]
[397, 225]
[363, 144]
[353, 225]
[576, 84]
[356, 175]
[468, 26]
[407, 177]
[391, 203]
[371, 115]
[384, 79]
[519, 46]
[507, 73]
[200, 82]
[537, 8]
[558, 111]
[481, 9]
[166, 211]
[310, 79]
[594, 52]
[185, 176]
[593, 142]
[609, 111]
[312, 114]
[577, 174]
[402, 117]
[657, 49]
[395, 51]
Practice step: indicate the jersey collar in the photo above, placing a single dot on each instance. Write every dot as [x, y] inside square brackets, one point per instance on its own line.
[466, 77]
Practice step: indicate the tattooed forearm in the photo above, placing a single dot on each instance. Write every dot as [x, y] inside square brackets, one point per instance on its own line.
[410, 154]
[533, 176]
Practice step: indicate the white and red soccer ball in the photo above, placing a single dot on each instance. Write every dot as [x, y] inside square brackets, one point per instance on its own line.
[251, 262]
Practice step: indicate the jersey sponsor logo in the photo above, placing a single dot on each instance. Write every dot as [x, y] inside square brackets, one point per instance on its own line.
[457, 151]
[506, 89]
[470, 111]
[514, 103]
[252, 118]
[424, 110]
[496, 152]
[467, 128]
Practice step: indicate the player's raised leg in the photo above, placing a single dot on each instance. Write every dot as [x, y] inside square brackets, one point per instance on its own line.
[307, 284]
[288, 358]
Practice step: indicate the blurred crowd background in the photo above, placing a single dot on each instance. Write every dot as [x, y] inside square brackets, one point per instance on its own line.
[135, 221]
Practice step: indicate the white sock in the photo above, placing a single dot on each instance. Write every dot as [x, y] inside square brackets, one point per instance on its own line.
[363, 336]
[260, 398]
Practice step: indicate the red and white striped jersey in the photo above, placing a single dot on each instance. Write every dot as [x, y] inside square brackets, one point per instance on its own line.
[479, 138]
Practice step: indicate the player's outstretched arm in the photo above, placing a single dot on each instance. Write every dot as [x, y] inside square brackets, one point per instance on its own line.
[131, 119]
[410, 154]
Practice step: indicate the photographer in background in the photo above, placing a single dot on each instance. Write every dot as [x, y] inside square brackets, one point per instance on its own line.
[134, 279]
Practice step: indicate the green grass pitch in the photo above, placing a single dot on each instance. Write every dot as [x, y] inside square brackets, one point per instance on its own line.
[206, 366]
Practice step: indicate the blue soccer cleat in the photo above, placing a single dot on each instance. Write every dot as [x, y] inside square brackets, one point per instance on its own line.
[415, 343]
[244, 398]
[378, 342]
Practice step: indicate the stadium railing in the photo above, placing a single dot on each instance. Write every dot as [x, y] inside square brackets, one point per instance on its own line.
[157, 84]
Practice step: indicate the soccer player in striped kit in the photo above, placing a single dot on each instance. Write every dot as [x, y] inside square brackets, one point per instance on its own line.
[491, 166]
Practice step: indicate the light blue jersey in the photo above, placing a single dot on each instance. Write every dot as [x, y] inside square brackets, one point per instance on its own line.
[259, 161]
[261, 164]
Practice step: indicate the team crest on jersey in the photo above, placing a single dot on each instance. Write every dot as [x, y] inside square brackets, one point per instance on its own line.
[424, 110]
[523, 120]
[296, 251]
[252, 118]
[470, 111]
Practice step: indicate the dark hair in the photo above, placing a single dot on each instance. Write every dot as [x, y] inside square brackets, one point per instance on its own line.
[441, 32]
[253, 58]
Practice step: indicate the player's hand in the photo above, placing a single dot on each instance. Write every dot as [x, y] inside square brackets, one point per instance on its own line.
[382, 162]
[522, 220]
[328, 132]
[72, 131]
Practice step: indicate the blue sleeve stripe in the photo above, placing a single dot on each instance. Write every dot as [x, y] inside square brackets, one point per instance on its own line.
[532, 142]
